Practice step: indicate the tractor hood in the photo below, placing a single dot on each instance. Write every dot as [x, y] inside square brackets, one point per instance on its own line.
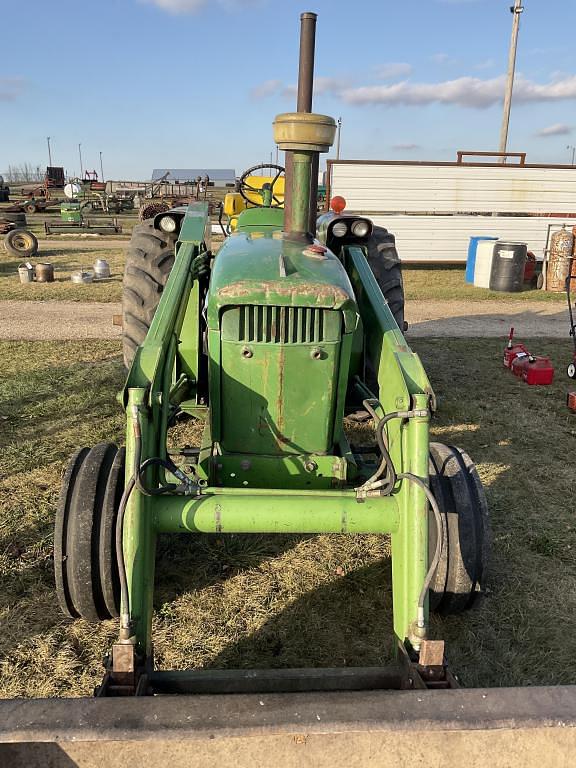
[268, 269]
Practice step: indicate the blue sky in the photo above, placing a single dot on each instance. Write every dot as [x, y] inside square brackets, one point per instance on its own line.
[196, 83]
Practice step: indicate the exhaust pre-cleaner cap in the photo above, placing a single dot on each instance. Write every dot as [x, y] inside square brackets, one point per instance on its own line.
[304, 131]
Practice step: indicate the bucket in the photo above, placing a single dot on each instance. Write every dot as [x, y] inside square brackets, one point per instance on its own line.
[44, 273]
[82, 277]
[101, 269]
[26, 272]
[483, 265]
[471, 259]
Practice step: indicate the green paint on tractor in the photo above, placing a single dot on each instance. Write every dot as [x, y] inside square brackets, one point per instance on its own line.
[273, 340]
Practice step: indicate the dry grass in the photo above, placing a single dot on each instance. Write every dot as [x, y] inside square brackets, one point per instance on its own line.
[446, 283]
[292, 600]
[65, 262]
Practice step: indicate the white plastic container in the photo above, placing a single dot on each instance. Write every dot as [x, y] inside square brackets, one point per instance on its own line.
[483, 266]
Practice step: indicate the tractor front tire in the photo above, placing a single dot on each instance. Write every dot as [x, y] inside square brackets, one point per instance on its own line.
[385, 264]
[466, 536]
[85, 563]
[149, 260]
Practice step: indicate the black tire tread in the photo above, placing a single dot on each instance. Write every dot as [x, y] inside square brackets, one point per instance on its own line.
[460, 577]
[61, 533]
[385, 264]
[83, 532]
[149, 260]
[108, 567]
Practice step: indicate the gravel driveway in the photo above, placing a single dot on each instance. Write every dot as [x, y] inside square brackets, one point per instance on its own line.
[76, 320]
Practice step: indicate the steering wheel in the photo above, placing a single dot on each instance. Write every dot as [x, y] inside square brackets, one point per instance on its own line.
[244, 187]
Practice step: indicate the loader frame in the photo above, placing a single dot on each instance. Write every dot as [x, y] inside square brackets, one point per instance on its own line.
[152, 393]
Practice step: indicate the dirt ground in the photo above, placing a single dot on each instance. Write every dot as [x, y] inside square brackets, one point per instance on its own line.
[58, 320]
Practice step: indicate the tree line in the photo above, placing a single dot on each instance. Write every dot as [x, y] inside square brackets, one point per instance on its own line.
[24, 172]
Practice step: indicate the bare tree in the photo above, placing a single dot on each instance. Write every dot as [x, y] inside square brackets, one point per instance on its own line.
[23, 173]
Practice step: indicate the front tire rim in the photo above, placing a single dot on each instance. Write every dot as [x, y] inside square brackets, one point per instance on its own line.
[22, 242]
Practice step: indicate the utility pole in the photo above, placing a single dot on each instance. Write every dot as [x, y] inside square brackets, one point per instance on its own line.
[516, 10]
[101, 168]
[49, 152]
[572, 148]
[339, 128]
[80, 155]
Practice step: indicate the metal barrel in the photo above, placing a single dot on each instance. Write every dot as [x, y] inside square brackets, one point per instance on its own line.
[44, 273]
[478, 728]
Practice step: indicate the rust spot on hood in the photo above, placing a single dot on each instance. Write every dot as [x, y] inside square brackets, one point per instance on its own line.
[325, 295]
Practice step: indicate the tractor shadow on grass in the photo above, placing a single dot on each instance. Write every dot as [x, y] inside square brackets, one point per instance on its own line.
[346, 622]
[528, 322]
[520, 437]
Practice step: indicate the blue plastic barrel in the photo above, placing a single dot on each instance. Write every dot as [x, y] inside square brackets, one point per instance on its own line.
[471, 260]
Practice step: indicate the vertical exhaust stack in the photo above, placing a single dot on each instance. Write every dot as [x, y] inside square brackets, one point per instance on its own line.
[303, 135]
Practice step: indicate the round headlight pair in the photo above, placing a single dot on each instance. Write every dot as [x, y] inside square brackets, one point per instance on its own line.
[358, 228]
[167, 224]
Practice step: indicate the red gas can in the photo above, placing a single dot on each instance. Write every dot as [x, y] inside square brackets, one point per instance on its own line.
[519, 363]
[538, 370]
[512, 351]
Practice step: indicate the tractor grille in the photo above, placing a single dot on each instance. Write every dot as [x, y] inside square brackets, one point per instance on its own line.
[280, 325]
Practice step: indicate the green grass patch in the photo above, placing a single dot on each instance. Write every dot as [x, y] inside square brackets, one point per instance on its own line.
[276, 601]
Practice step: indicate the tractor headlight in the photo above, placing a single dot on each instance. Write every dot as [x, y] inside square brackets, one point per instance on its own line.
[340, 229]
[167, 224]
[360, 228]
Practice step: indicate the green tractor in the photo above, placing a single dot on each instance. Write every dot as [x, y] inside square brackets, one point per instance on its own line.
[291, 327]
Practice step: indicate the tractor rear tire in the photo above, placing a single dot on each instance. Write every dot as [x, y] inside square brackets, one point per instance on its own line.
[149, 260]
[466, 537]
[85, 568]
[385, 264]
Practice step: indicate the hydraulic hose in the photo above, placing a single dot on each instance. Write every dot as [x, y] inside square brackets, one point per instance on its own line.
[387, 487]
[374, 482]
[437, 552]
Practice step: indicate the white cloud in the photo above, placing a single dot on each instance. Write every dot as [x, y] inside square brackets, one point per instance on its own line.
[464, 91]
[441, 58]
[486, 64]
[10, 88]
[322, 85]
[558, 129]
[265, 89]
[179, 6]
[394, 70]
[193, 6]
[406, 147]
